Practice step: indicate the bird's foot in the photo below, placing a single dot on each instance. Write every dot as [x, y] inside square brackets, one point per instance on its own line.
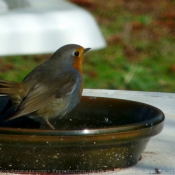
[47, 121]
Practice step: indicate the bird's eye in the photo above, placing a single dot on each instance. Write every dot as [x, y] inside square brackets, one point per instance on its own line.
[76, 53]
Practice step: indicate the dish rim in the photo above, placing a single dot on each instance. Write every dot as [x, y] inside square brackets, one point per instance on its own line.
[87, 132]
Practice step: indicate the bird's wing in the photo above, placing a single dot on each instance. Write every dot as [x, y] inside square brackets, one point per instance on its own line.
[42, 94]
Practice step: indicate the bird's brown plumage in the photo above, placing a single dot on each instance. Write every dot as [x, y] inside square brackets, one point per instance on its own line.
[51, 89]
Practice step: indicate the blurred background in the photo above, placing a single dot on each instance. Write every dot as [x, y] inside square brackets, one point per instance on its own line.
[140, 52]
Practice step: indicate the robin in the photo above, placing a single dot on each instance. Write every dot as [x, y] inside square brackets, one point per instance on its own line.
[50, 90]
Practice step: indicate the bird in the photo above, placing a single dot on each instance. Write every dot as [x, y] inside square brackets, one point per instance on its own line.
[50, 90]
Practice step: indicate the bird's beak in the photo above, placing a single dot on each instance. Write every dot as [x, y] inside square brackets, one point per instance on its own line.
[87, 49]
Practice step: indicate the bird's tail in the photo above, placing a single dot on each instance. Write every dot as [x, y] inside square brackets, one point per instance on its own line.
[14, 90]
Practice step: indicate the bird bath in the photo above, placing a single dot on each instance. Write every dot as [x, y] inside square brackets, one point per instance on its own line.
[99, 134]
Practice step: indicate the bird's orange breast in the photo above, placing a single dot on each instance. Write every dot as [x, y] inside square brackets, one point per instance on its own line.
[77, 64]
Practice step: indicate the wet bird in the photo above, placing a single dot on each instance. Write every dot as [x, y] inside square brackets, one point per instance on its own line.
[50, 90]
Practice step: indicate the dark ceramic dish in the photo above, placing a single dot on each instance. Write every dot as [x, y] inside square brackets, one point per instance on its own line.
[100, 134]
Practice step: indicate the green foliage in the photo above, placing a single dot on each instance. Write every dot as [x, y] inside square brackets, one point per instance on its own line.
[140, 53]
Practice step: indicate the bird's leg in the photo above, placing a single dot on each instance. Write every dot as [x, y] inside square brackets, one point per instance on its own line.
[47, 121]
